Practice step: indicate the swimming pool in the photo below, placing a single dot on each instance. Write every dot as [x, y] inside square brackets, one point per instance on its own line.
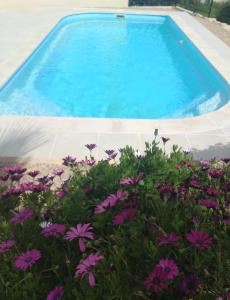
[110, 66]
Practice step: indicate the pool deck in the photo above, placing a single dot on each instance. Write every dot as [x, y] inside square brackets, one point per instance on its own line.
[51, 138]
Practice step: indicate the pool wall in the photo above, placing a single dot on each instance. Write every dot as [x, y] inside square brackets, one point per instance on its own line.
[193, 52]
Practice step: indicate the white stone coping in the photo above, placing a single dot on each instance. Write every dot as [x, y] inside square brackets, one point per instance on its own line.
[217, 122]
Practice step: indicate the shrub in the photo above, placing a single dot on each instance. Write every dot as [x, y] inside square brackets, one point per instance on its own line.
[224, 14]
[149, 226]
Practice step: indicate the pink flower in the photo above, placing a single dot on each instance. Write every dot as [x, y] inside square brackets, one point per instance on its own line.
[60, 194]
[168, 239]
[165, 188]
[178, 166]
[53, 230]
[58, 171]
[215, 173]
[169, 267]
[211, 191]
[132, 180]
[209, 203]
[199, 239]
[80, 232]
[110, 201]
[27, 259]
[14, 169]
[156, 280]
[189, 164]
[56, 294]
[228, 294]
[22, 216]
[86, 267]
[205, 164]
[189, 285]
[195, 183]
[124, 215]
[5, 246]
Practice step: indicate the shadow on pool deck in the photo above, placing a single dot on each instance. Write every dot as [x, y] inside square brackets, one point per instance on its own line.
[217, 151]
[26, 142]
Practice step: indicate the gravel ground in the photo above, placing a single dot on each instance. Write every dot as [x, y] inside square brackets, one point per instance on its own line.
[219, 29]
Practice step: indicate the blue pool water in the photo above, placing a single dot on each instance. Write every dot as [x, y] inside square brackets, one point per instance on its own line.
[99, 65]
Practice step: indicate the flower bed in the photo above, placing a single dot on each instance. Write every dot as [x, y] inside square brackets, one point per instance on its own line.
[146, 226]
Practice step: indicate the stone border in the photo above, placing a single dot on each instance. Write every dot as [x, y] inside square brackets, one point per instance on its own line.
[131, 130]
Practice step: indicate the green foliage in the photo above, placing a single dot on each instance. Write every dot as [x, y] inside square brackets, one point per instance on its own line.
[130, 250]
[224, 14]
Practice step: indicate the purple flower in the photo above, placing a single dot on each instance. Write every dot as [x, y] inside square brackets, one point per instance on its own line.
[169, 267]
[209, 203]
[189, 164]
[11, 170]
[16, 177]
[80, 232]
[211, 191]
[33, 174]
[5, 246]
[205, 164]
[156, 280]
[110, 201]
[182, 192]
[27, 259]
[189, 285]
[165, 140]
[112, 156]
[53, 230]
[124, 215]
[33, 187]
[132, 180]
[69, 161]
[90, 146]
[4, 177]
[58, 171]
[171, 239]
[215, 173]
[22, 216]
[109, 152]
[194, 220]
[86, 267]
[194, 183]
[56, 294]
[228, 294]
[12, 191]
[199, 239]
[60, 194]
[165, 188]
[88, 162]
